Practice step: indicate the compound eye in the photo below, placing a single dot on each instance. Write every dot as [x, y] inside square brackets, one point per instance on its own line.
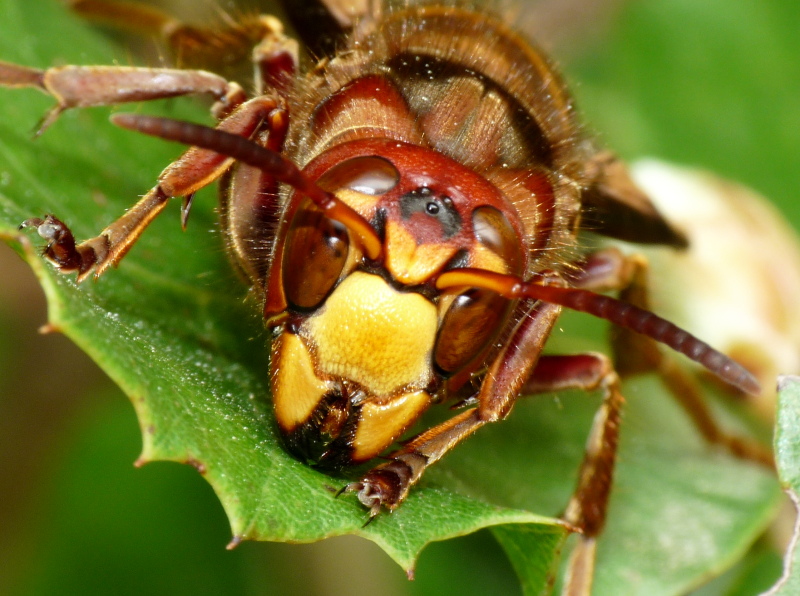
[368, 175]
[314, 256]
[475, 318]
[470, 325]
[495, 232]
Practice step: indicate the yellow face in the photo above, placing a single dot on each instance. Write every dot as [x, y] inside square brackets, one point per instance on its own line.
[364, 347]
[373, 335]
[369, 342]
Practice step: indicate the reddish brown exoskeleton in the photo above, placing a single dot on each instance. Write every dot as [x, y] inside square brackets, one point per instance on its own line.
[408, 209]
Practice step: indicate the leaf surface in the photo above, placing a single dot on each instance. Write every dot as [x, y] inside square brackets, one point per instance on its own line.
[787, 454]
[174, 328]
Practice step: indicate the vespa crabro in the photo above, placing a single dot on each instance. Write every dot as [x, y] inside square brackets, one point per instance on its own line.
[428, 179]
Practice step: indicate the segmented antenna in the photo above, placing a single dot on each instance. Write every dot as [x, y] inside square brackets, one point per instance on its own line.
[255, 155]
[616, 311]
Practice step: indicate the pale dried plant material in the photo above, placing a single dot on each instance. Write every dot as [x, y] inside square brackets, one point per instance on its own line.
[738, 285]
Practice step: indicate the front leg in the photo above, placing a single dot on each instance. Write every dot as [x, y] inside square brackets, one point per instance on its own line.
[388, 484]
[195, 169]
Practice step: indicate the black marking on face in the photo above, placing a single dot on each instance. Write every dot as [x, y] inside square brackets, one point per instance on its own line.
[378, 222]
[439, 208]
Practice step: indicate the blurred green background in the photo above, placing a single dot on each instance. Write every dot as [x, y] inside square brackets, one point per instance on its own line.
[714, 84]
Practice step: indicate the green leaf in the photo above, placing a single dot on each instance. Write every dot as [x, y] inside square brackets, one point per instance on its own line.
[787, 454]
[172, 326]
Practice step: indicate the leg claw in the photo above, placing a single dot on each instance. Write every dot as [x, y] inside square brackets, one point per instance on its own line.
[61, 248]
